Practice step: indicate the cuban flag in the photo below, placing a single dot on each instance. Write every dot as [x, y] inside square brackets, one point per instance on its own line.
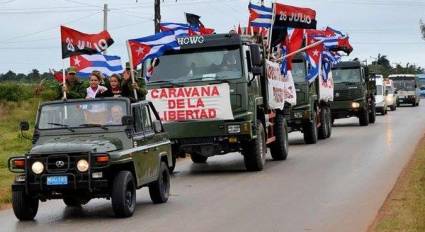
[313, 56]
[85, 64]
[328, 60]
[260, 16]
[153, 46]
[180, 29]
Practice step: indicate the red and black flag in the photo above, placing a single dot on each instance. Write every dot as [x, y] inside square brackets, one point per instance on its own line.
[295, 17]
[196, 26]
[78, 43]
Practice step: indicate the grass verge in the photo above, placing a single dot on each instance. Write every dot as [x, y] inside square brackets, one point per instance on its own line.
[404, 209]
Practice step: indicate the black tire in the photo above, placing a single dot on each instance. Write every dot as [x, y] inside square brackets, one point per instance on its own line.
[255, 151]
[414, 104]
[74, 201]
[159, 190]
[398, 104]
[310, 130]
[25, 207]
[124, 194]
[330, 122]
[279, 148]
[372, 114]
[323, 129]
[364, 117]
[198, 158]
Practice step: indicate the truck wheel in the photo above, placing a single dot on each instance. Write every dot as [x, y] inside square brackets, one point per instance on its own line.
[74, 201]
[124, 194]
[330, 121]
[160, 189]
[364, 117]
[393, 108]
[323, 129]
[25, 207]
[372, 115]
[310, 131]
[255, 150]
[198, 159]
[279, 148]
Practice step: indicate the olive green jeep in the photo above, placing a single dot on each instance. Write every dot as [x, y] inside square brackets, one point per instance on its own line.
[85, 149]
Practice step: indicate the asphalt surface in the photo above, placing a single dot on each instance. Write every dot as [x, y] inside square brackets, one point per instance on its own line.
[336, 185]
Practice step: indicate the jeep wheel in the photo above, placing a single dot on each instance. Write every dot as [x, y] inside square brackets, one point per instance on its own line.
[323, 129]
[25, 207]
[124, 194]
[330, 122]
[364, 117]
[198, 158]
[160, 189]
[310, 130]
[255, 151]
[279, 148]
[372, 114]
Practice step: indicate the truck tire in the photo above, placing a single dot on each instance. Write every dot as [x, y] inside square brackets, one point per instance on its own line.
[124, 194]
[255, 151]
[372, 115]
[310, 131]
[330, 121]
[393, 108]
[364, 117]
[323, 129]
[24, 207]
[160, 189]
[198, 158]
[279, 148]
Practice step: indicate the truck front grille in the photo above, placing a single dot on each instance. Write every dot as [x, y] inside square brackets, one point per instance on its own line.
[347, 94]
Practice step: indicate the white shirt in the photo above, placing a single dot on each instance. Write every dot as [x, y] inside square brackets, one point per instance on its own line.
[92, 94]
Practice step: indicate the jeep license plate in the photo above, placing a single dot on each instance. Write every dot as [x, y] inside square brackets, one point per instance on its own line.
[57, 180]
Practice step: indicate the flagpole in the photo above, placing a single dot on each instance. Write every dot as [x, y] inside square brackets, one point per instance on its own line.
[63, 78]
[271, 30]
[131, 68]
[301, 50]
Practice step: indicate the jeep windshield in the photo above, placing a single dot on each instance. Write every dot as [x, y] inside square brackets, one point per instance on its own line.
[197, 65]
[404, 83]
[82, 114]
[346, 75]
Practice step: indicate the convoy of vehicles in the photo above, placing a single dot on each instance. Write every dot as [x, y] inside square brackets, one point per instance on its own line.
[380, 94]
[408, 88]
[354, 93]
[85, 149]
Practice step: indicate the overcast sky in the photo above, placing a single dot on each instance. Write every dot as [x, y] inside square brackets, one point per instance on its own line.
[30, 37]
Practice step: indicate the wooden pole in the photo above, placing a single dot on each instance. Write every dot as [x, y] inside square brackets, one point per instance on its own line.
[301, 50]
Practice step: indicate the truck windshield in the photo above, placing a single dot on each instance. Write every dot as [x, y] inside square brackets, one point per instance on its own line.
[346, 75]
[82, 114]
[404, 84]
[298, 72]
[197, 65]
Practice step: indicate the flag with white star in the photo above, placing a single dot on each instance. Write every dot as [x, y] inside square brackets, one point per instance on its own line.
[107, 65]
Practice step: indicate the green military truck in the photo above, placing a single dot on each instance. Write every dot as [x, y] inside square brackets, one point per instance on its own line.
[311, 115]
[85, 149]
[214, 97]
[354, 93]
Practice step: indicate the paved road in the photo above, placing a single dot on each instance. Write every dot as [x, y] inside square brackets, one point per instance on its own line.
[337, 185]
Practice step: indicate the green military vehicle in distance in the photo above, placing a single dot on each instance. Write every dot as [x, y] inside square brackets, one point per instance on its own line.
[311, 115]
[213, 96]
[354, 93]
[86, 149]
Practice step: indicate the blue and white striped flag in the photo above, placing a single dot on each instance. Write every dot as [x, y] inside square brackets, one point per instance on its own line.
[107, 65]
[260, 16]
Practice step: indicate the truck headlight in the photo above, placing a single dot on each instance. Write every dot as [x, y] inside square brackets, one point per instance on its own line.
[355, 105]
[37, 167]
[233, 129]
[82, 165]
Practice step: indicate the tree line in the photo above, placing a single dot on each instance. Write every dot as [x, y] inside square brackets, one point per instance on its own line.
[33, 76]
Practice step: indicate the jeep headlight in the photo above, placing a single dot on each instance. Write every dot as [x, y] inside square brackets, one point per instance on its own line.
[37, 167]
[233, 129]
[355, 105]
[82, 165]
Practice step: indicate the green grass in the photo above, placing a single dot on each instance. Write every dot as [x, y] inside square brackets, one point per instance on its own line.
[11, 142]
[404, 210]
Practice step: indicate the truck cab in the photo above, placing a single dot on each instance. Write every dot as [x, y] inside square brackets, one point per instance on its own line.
[96, 148]
[408, 88]
[354, 93]
[212, 97]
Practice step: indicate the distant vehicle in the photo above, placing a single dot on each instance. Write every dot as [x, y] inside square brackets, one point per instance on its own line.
[392, 95]
[380, 94]
[85, 149]
[422, 84]
[407, 86]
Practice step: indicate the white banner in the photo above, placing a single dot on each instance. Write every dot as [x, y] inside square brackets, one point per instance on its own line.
[281, 88]
[326, 88]
[208, 102]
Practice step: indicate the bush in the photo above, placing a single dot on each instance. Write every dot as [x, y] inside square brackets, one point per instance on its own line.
[15, 91]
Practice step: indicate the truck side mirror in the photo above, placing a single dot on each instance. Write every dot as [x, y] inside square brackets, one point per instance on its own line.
[157, 126]
[24, 126]
[127, 120]
[255, 55]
